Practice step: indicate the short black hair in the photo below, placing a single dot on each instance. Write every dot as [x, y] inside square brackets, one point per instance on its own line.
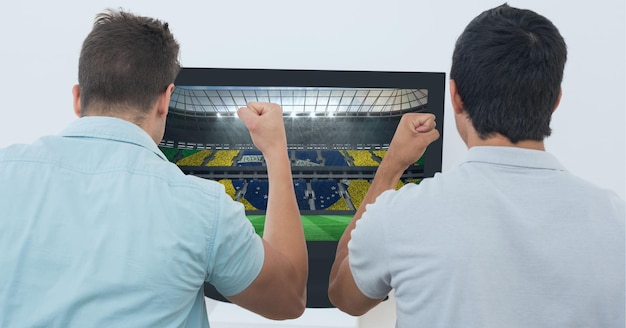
[508, 66]
[126, 61]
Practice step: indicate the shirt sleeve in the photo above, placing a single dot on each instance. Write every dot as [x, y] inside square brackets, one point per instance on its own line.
[238, 253]
[368, 253]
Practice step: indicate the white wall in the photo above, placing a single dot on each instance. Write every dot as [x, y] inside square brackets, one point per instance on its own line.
[41, 45]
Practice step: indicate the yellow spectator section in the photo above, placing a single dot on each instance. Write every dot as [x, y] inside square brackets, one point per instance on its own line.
[232, 192]
[362, 158]
[247, 205]
[340, 205]
[357, 190]
[380, 153]
[195, 159]
[223, 158]
[229, 188]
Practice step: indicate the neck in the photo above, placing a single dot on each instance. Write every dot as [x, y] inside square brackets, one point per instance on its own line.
[499, 140]
[151, 126]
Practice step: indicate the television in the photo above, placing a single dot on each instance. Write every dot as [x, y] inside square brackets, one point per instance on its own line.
[338, 123]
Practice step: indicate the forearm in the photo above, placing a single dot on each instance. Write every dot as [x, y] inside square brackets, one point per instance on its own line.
[413, 134]
[279, 291]
[283, 225]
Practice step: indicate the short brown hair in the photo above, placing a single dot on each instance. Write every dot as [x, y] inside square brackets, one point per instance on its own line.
[126, 61]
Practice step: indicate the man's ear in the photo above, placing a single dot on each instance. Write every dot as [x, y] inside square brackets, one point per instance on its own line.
[455, 98]
[164, 101]
[76, 100]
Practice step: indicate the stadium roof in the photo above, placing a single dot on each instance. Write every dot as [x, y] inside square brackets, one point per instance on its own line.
[296, 101]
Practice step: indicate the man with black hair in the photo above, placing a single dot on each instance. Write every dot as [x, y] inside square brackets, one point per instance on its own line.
[98, 229]
[509, 238]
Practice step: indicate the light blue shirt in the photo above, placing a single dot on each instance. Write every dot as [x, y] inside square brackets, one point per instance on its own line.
[98, 229]
[507, 239]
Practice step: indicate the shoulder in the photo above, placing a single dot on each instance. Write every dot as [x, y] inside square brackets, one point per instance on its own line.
[42, 149]
[427, 190]
[204, 185]
[592, 194]
[188, 188]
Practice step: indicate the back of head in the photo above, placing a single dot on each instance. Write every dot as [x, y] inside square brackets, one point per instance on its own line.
[508, 66]
[126, 61]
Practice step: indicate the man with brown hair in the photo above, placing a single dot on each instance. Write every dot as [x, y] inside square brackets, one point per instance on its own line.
[98, 229]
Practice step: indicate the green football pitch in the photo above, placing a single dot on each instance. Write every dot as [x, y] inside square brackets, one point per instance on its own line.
[316, 227]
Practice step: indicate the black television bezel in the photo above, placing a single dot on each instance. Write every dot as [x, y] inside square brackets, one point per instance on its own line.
[322, 253]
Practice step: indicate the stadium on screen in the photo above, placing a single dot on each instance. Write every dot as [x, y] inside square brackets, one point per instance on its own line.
[338, 124]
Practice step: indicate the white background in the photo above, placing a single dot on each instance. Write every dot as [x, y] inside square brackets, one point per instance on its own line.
[42, 39]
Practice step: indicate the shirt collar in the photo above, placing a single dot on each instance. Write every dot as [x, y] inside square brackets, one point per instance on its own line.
[514, 156]
[111, 128]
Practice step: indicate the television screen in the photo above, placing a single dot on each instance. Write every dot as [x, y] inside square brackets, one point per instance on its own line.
[338, 124]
